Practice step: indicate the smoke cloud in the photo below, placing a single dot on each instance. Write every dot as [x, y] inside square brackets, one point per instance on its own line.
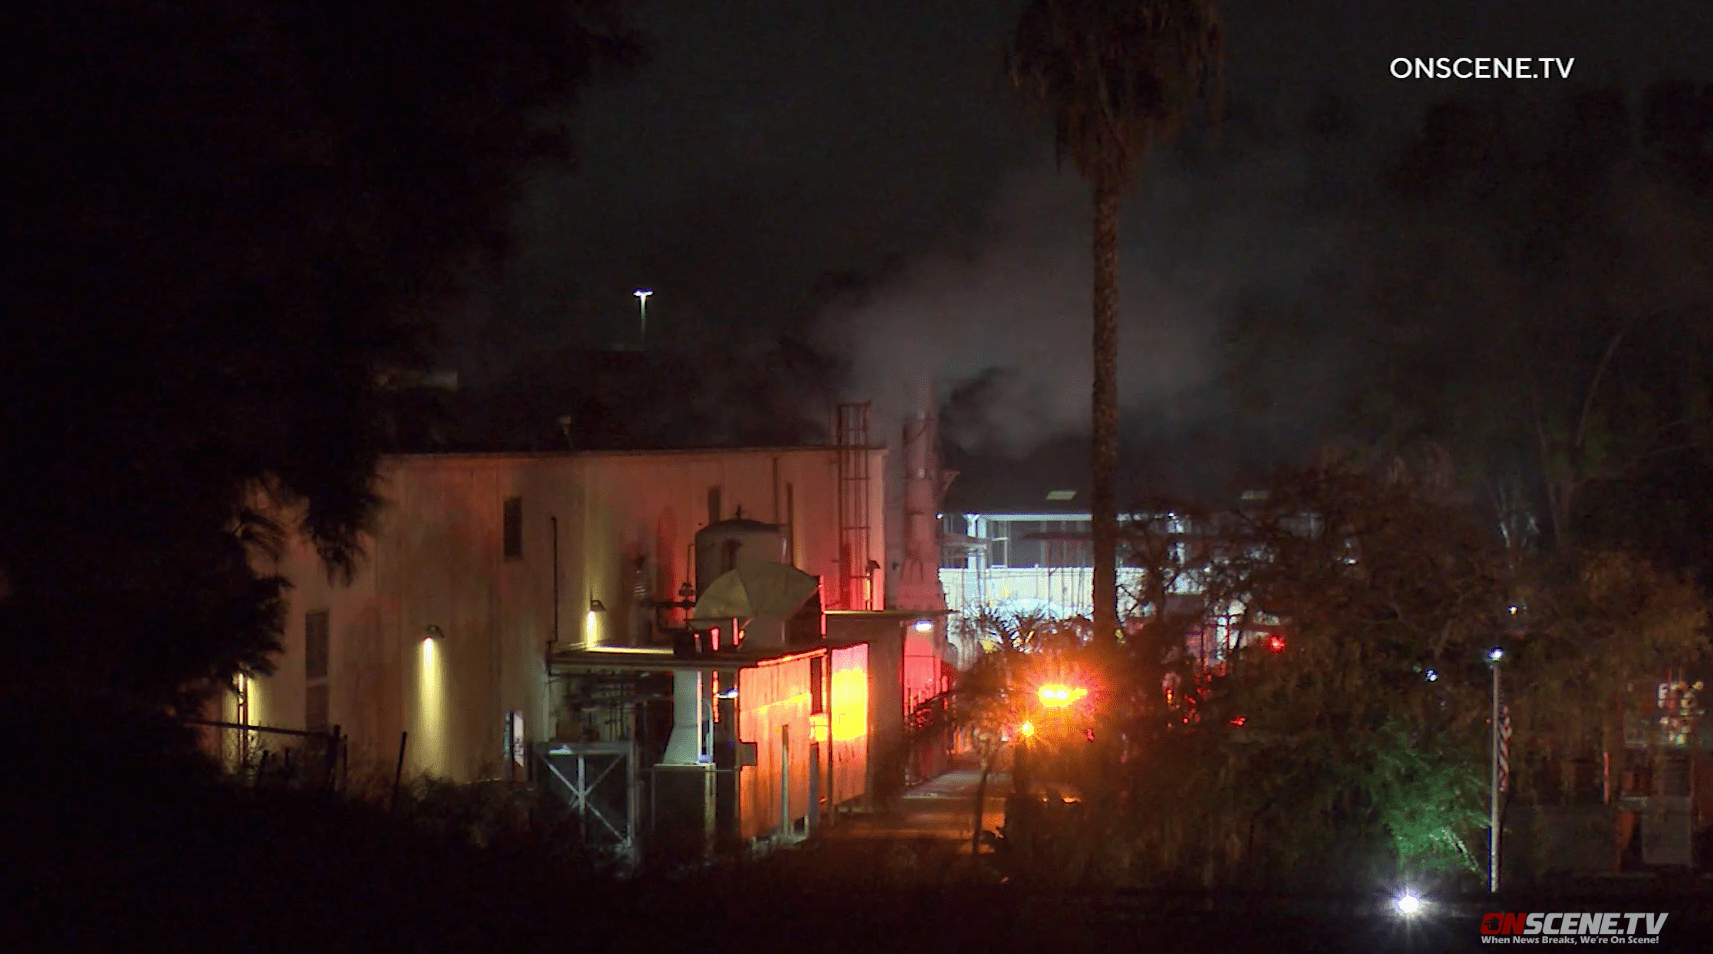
[1004, 317]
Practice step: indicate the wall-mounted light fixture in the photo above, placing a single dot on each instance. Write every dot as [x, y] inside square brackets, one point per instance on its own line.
[432, 631]
[923, 626]
[596, 606]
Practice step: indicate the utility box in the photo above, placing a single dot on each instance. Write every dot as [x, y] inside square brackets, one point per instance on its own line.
[682, 812]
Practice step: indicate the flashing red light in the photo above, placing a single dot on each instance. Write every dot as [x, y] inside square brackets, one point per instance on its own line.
[1275, 643]
[1240, 720]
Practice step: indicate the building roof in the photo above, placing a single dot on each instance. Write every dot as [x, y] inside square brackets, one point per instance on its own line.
[503, 456]
[569, 660]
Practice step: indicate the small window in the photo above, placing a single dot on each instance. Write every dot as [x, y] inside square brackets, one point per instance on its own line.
[818, 684]
[315, 644]
[512, 545]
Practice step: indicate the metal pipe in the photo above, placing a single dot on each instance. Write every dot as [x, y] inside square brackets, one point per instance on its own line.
[1493, 792]
[301, 733]
[398, 773]
[551, 643]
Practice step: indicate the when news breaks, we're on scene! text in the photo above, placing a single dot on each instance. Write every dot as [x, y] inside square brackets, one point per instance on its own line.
[1482, 67]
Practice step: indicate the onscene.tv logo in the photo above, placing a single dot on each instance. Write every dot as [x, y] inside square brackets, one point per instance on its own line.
[1574, 927]
[1482, 67]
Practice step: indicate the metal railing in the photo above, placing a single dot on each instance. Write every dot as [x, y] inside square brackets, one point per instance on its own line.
[268, 755]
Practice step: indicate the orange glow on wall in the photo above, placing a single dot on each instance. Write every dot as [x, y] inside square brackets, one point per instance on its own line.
[848, 702]
[773, 712]
[924, 676]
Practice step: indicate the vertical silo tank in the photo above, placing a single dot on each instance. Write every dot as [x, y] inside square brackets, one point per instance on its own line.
[720, 547]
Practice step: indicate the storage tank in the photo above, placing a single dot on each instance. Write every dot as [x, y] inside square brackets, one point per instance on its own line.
[720, 547]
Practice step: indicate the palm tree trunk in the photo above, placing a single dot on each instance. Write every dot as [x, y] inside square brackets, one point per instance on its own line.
[1104, 506]
[980, 805]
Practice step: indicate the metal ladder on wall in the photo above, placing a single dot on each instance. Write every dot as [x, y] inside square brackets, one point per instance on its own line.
[856, 584]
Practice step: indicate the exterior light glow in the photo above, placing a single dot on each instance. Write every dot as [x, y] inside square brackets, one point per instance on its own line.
[923, 626]
[642, 310]
[431, 705]
[1496, 654]
[1432, 675]
[1060, 696]
[1275, 643]
[1026, 730]
[1408, 904]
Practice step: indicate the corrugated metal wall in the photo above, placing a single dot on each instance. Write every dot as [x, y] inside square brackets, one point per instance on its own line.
[773, 712]
[848, 704]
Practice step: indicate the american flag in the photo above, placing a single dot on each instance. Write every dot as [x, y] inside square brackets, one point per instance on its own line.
[1504, 748]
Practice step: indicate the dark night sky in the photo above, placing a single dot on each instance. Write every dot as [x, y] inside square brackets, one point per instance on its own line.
[771, 142]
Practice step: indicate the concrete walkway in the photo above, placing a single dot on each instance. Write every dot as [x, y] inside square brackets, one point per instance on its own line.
[942, 807]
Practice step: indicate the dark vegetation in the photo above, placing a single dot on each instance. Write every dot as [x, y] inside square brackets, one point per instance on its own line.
[229, 220]
[1344, 744]
[114, 840]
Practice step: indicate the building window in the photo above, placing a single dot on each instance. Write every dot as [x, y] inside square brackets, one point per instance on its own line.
[998, 531]
[512, 545]
[316, 631]
[818, 684]
[1023, 551]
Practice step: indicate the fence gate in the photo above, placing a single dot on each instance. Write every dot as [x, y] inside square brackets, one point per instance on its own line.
[598, 782]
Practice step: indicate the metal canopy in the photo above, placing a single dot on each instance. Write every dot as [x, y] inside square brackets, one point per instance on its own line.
[756, 589]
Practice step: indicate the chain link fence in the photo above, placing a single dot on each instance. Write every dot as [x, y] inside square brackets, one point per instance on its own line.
[270, 756]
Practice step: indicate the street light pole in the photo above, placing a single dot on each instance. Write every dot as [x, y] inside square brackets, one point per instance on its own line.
[642, 309]
[1493, 659]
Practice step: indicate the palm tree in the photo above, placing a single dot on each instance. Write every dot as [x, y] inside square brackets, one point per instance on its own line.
[1114, 77]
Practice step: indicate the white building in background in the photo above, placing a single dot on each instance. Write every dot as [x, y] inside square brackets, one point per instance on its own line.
[1031, 562]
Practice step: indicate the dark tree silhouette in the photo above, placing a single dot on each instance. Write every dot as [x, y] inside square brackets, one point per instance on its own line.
[234, 216]
[1114, 78]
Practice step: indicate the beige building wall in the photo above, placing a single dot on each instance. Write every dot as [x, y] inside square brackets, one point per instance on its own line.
[623, 525]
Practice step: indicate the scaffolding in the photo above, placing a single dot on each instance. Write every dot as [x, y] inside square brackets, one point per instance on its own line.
[856, 565]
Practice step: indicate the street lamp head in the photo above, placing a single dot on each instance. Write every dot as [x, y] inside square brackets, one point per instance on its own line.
[1408, 904]
[1496, 653]
[1026, 730]
[643, 293]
